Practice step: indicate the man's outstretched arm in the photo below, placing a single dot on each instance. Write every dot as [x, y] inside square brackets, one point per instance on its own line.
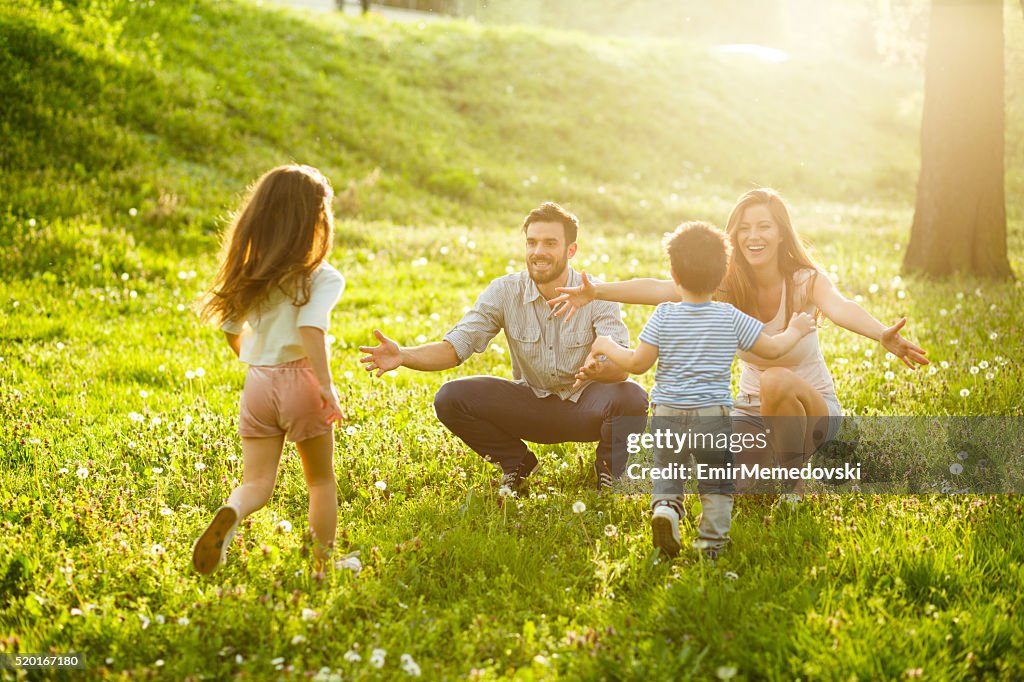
[388, 355]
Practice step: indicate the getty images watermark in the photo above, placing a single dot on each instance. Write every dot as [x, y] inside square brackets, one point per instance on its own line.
[680, 442]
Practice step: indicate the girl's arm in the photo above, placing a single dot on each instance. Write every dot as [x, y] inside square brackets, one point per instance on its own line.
[235, 341]
[316, 350]
[644, 291]
[849, 315]
[633, 361]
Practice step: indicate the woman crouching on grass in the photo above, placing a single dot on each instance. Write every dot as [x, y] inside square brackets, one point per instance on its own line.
[771, 276]
[273, 296]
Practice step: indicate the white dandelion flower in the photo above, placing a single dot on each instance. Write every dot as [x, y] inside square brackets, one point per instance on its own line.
[82, 472]
[380, 485]
[377, 658]
[410, 666]
[284, 525]
[964, 392]
[956, 468]
[578, 507]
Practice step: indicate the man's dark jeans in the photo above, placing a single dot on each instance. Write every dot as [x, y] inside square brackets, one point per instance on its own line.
[494, 416]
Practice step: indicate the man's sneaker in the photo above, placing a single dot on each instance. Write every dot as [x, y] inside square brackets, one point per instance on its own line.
[515, 482]
[665, 528]
[211, 548]
[605, 479]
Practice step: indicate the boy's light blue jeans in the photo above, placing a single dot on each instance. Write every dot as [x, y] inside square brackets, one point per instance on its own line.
[716, 496]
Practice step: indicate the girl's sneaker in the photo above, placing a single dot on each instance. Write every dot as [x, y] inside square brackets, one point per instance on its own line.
[211, 548]
[665, 528]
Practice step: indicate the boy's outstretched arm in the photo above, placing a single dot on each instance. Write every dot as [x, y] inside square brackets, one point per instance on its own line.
[771, 346]
[634, 361]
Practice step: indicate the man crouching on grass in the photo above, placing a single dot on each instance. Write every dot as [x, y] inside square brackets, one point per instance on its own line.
[544, 402]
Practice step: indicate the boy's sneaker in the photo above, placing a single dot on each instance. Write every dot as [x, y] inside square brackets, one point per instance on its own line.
[665, 528]
[514, 482]
[211, 548]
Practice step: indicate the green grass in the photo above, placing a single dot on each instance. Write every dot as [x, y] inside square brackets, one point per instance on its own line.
[171, 109]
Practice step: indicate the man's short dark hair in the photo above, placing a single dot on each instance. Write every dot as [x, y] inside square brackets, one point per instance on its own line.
[699, 254]
[550, 212]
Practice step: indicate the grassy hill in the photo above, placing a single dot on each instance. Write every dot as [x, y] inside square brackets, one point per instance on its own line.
[170, 108]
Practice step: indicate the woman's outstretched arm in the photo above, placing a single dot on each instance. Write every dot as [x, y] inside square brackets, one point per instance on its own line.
[644, 291]
[849, 315]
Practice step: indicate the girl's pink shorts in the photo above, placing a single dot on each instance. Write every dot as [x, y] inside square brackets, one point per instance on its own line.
[282, 399]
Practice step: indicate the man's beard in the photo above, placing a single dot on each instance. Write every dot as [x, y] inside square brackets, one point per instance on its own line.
[557, 269]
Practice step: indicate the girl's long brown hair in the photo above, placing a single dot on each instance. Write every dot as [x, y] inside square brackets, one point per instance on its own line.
[738, 287]
[282, 232]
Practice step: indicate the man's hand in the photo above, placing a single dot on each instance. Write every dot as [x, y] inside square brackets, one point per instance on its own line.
[384, 357]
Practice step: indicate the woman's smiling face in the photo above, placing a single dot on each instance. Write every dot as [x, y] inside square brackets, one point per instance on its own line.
[758, 236]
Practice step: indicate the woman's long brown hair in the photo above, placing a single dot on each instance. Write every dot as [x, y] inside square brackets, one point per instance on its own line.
[282, 232]
[738, 287]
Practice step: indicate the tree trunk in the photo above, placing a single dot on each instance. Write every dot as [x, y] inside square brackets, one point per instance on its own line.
[960, 216]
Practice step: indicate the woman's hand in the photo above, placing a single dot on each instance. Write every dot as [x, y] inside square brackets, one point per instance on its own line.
[907, 352]
[329, 402]
[573, 298]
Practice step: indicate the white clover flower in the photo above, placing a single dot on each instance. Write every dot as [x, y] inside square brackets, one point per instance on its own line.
[377, 658]
[82, 472]
[284, 525]
[578, 507]
[380, 485]
[956, 468]
[410, 666]
[350, 562]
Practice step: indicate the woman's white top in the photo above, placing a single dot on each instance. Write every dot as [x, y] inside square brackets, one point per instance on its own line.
[270, 333]
[805, 359]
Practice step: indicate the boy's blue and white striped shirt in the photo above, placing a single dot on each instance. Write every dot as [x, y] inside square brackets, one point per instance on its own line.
[696, 345]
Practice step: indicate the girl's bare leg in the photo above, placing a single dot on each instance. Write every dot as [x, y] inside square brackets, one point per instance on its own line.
[318, 467]
[260, 458]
